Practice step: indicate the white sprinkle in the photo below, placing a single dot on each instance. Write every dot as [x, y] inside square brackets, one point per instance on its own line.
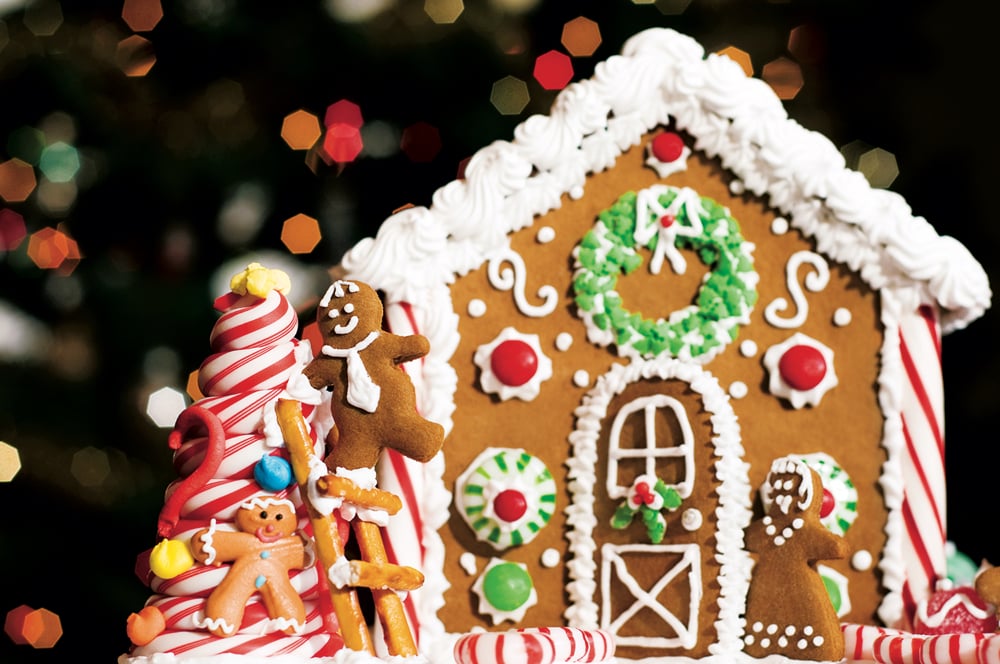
[842, 317]
[738, 389]
[545, 235]
[581, 378]
[861, 560]
[563, 341]
[467, 561]
[476, 307]
[779, 226]
[748, 348]
[550, 557]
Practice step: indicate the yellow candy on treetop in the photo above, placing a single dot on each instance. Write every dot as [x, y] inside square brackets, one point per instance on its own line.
[169, 558]
[259, 280]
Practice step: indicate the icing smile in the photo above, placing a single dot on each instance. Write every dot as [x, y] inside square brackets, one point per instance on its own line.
[264, 534]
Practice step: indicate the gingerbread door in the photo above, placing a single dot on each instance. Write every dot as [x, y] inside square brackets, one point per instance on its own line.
[657, 452]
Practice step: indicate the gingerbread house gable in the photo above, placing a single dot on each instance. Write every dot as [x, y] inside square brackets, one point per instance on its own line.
[671, 158]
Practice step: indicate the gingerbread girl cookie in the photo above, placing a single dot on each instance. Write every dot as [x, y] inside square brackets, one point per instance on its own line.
[373, 401]
[262, 553]
[788, 609]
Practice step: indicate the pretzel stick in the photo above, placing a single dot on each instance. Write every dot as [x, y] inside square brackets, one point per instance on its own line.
[367, 574]
[341, 487]
[329, 548]
[399, 640]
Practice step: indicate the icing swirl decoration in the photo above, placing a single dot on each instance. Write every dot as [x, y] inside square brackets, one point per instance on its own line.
[512, 365]
[665, 219]
[506, 496]
[800, 370]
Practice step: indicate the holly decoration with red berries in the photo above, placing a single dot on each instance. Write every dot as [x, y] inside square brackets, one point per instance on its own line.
[647, 497]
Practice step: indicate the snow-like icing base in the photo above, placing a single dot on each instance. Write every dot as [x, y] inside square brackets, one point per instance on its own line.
[345, 656]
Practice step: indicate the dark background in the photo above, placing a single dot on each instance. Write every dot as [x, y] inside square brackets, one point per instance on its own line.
[166, 152]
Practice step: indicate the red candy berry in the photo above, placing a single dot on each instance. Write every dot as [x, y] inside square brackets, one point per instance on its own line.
[513, 362]
[668, 147]
[802, 367]
[510, 505]
[667, 220]
[829, 503]
[954, 611]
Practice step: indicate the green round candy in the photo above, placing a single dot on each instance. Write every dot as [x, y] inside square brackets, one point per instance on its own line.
[834, 592]
[507, 586]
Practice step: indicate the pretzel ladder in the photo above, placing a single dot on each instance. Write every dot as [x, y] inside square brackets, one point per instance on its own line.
[373, 571]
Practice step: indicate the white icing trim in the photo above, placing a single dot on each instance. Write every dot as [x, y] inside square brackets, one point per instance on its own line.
[815, 281]
[513, 279]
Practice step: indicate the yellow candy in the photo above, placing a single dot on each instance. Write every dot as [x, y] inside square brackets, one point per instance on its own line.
[170, 558]
[259, 280]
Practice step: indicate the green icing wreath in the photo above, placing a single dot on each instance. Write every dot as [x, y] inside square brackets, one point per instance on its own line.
[723, 302]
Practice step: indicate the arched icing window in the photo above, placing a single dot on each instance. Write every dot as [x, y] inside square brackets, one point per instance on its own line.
[653, 449]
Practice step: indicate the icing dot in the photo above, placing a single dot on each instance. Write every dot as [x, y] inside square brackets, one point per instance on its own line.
[818, 640]
[545, 235]
[790, 630]
[691, 519]
[782, 641]
[738, 389]
[550, 557]
[779, 226]
[563, 341]
[581, 378]
[259, 581]
[668, 146]
[861, 560]
[514, 362]
[507, 586]
[802, 367]
[757, 626]
[576, 193]
[272, 473]
[772, 629]
[264, 555]
[467, 562]
[748, 348]
[842, 317]
[765, 643]
[510, 505]
[476, 307]
[802, 644]
[737, 187]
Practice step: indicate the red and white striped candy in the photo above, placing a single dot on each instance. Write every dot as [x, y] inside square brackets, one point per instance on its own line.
[556, 645]
[263, 323]
[898, 649]
[950, 649]
[257, 368]
[988, 651]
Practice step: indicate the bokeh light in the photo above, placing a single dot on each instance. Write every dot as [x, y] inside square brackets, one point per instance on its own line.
[784, 76]
[10, 462]
[164, 405]
[740, 57]
[509, 95]
[581, 36]
[90, 467]
[381, 139]
[444, 11]
[12, 229]
[342, 143]
[17, 180]
[43, 18]
[48, 248]
[672, 7]
[356, 11]
[553, 70]
[300, 234]
[142, 15]
[243, 213]
[344, 112]
[59, 162]
[26, 143]
[56, 198]
[39, 628]
[135, 56]
[806, 43]
[421, 142]
[300, 130]
[879, 166]
[193, 389]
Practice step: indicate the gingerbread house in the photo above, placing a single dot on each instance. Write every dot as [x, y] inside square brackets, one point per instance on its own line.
[634, 308]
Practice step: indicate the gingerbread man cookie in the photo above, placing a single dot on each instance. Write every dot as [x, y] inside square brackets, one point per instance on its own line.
[373, 401]
[788, 609]
[988, 585]
[262, 553]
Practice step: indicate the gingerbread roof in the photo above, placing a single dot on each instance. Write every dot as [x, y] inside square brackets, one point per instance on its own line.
[662, 77]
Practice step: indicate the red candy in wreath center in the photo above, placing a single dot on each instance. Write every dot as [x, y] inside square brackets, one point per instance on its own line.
[829, 502]
[802, 367]
[668, 146]
[510, 505]
[513, 362]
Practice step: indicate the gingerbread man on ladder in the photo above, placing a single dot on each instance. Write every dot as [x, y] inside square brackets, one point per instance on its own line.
[373, 404]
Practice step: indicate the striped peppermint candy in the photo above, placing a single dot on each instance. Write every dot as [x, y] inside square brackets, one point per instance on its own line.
[922, 407]
[988, 651]
[950, 649]
[898, 649]
[535, 646]
[256, 368]
[239, 458]
[253, 322]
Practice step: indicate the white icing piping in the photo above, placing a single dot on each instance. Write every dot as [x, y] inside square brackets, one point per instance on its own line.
[513, 279]
[815, 281]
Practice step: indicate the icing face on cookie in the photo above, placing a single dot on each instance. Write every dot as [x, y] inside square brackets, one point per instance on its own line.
[268, 519]
[341, 314]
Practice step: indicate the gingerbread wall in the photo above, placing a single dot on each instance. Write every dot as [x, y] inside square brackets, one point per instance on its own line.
[846, 423]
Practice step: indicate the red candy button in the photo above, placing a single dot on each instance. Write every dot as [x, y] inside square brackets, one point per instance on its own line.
[668, 147]
[802, 367]
[510, 505]
[513, 362]
[829, 502]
